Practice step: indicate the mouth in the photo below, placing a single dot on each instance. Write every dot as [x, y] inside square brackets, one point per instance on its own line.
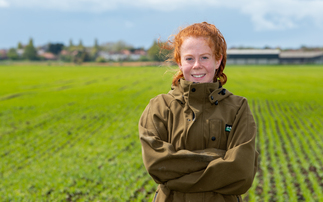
[198, 75]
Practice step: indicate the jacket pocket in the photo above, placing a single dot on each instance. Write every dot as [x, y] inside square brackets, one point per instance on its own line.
[217, 136]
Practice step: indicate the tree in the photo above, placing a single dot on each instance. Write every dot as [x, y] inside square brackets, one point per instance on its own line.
[143, 58]
[80, 46]
[12, 54]
[100, 60]
[31, 42]
[116, 46]
[153, 52]
[20, 46]
[66, 58]
[120, 45]
[80, 56]
[30, 52]
[156, 53]
[71, 44]
[95, 50]
[96, 44]
[55, 48]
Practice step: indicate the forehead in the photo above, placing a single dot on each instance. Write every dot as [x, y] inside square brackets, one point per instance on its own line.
[196, 44]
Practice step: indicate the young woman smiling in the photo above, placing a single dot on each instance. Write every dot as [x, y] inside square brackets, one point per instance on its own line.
[198, 140]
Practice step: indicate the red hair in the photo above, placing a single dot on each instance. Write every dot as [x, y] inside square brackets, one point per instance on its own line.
[213, 37]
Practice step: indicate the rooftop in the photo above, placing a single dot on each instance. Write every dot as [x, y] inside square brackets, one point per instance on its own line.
[252, 51]
[300, 54]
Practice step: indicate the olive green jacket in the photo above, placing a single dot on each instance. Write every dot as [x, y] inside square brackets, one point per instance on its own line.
[198, 143]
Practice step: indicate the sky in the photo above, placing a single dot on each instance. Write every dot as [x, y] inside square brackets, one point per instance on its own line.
[248, 23]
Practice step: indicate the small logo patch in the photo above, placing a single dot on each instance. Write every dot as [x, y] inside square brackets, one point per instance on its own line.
[228, 127]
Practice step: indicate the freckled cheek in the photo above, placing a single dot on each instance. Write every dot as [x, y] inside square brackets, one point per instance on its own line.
[211, 69]
[186, 66]
[185, 69]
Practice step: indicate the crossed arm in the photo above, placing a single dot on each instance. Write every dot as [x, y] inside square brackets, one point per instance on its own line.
[211, 169]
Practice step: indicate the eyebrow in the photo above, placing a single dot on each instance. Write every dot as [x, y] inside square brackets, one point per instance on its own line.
[201, 54]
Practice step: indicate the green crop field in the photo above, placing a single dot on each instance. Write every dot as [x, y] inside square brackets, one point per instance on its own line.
[70, 133]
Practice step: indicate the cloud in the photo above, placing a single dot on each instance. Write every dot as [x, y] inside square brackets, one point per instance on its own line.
[102, 5]
[67, 5]
[280, 15]
[264, 14]
[4, 4]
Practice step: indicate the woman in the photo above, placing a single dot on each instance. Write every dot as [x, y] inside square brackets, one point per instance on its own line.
[198, 141]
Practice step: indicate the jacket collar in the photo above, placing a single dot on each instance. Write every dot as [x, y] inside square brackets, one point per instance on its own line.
[200, 92]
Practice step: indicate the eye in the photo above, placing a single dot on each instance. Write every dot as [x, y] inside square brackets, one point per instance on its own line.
[205, 57]
[189, 59]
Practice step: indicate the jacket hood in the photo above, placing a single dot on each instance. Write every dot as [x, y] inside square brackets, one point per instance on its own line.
[200, 92]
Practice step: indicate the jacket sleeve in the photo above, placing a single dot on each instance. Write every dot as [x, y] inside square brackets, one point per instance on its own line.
[232, 174]
[160, 158]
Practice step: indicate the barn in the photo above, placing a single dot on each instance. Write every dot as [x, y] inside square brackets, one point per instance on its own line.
[253, 56]
[301, 57]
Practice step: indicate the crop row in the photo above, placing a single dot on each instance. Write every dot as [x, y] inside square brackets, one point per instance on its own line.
[290, 167]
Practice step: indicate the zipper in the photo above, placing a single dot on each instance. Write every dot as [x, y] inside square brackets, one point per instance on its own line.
[155, 196]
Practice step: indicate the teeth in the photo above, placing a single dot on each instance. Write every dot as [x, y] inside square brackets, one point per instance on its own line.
[198, 76]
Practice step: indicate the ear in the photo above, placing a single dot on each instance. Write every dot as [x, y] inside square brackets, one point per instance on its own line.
[179, 66]
[218, 62]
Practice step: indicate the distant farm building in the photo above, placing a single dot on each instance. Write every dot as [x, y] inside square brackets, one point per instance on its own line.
[301, 57]
[253, 56]
[272, 56]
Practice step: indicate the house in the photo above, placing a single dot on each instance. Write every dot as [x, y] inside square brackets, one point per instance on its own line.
[114, 56]
[48, 56]
[64, 52]
[134, 54]
[40, 52]
[20, 52]
[125, 52]
[3, 54]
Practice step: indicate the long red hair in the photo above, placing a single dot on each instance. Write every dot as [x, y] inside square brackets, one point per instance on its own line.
[214, 39]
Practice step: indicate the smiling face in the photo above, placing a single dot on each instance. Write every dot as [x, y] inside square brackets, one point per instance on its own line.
[198, 62]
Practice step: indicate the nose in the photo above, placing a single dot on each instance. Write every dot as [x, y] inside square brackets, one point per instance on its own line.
[197, 64]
